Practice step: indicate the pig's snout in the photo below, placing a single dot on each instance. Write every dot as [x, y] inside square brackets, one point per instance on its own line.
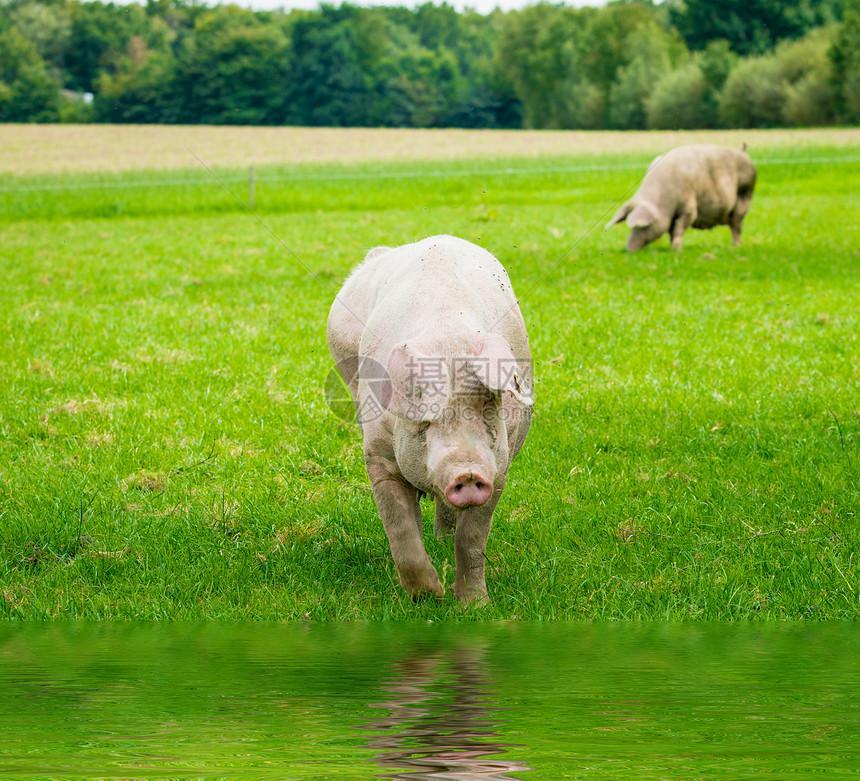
[468, 489]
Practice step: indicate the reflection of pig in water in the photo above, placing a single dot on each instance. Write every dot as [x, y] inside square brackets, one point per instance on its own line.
[430, 341]
[441, 723]
[699, 185]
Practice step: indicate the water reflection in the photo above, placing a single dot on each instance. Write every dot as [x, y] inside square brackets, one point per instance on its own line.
[441, 722]
[600, 701]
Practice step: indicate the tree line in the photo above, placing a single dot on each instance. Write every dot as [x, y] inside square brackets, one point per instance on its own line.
[631, 64]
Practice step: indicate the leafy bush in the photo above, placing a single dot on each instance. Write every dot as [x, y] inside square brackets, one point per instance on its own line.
[809, 102]
[589, 102]
[678, 99]
[788, 87]
[650, 58]
[806, 68]
[753, 94]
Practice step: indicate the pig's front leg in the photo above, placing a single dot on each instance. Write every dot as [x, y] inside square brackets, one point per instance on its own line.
[470, 546]
[683, 221]
[398, 506]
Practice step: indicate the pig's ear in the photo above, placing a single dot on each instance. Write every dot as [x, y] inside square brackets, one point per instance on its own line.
[619, 215]
[420, 385]
[376, 251]
[642, 216]
[496, 367]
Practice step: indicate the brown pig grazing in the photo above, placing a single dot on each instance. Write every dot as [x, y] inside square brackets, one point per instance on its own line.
[699, 185]
[430, 340]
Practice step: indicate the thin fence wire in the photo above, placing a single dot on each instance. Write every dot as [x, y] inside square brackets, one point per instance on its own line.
[370, 175]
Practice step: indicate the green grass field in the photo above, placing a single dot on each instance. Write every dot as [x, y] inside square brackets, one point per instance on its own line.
[167, 450]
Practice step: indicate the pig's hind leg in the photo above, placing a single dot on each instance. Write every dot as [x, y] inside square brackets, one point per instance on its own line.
[736, 219]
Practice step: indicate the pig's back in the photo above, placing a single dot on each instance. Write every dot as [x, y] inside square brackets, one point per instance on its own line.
[441, 285]
[701, 167]
[711, 175]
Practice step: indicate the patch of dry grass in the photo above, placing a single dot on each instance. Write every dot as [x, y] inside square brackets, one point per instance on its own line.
[53, 149]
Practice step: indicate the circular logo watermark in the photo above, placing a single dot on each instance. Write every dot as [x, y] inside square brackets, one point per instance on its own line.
[347, 373]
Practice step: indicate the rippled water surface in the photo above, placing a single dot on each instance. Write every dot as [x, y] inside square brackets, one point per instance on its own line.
[427, 701]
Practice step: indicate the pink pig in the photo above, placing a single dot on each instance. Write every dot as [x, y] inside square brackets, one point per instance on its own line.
[430, 340]
[699, 186]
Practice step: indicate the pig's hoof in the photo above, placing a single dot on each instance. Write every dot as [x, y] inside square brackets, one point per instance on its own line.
[421, 584]
[420, 596]
[473, 597]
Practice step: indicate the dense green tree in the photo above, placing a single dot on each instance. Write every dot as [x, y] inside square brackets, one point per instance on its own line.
[538, 55]
[484, 98]
[419, 88]
[47, 26]
[436, 71]
[750, 26]
[844, 55]
[716, 63]
[688, 96]
[28, 93]
[98, 40]
[806, 68]
[678, 99]
[546, 66]
[485, 105]
[605, 46]
[437, 26]
[791, 86]
[333, 56]
[235, 70]
[753, 94]
[651, 53]
[143, 92]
